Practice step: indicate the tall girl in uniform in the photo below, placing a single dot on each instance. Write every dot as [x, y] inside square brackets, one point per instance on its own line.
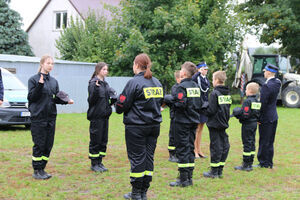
[42, 90]
[140, 102]
[98, 114]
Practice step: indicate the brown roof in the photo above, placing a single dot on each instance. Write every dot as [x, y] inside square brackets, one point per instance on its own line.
[82, 7]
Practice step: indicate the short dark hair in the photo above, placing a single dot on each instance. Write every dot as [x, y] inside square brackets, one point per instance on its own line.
[190, 68]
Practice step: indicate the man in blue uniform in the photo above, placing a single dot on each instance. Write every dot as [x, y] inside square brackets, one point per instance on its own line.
[268, 119]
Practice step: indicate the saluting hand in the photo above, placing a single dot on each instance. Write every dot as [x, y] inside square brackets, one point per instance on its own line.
[97, 83]
[71, 101]
[41, 79]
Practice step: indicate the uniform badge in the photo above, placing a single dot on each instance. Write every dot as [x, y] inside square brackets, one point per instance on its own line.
[246, 109]
[122, 98]
[180, 95]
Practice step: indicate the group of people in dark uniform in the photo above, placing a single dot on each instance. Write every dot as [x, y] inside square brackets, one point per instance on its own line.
[140, 102]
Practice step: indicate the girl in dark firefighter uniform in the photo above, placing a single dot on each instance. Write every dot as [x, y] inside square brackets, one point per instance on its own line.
[187, 105]
[140, 102]
[218, 113]
[248, 116]
[203, 82]
[42, 91]
[98, 113]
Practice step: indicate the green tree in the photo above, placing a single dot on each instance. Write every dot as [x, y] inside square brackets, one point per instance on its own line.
[174, 31]
[93, 40]
[170, 31]
[13, 40]
[279, 20]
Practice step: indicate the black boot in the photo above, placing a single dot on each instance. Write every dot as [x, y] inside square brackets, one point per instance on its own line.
[135, 194]
[244, 167]
[183, 180]
[220, 171]
[104, 169]
[45, 173]
[213, 173]
[38, 174]
[95, 166]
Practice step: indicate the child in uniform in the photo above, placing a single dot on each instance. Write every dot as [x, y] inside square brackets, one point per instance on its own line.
[248, 116]
[218, 112]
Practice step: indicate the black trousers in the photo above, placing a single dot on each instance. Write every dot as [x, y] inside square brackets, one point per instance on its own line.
[171, 147]
[43, 139]
[266, 143]
[248, 138]
[98, 138]
[219, 147]
[184, 142]
[141, 143]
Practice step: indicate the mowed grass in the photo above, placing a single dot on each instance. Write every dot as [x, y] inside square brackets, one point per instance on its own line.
[73, 179]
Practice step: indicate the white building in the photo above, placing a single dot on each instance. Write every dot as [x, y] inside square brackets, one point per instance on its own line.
[47, 26]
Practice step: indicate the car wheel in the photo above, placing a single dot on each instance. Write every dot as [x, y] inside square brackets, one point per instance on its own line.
[291, 97]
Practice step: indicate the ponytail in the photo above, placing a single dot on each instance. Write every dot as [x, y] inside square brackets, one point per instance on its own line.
[148, 73]
[143, 61]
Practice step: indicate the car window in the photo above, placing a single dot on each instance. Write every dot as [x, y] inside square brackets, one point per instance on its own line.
[11, 82]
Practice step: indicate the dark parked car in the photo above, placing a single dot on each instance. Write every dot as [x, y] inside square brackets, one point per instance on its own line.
[14, 110]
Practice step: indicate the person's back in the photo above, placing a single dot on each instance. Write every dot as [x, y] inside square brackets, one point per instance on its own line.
[140, 106]
[218, 117]
[219, 108]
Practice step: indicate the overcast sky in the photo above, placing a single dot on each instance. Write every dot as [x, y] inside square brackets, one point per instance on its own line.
[29, 9]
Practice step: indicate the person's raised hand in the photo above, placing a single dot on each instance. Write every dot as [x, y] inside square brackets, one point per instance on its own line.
[71, 101]
[41, 79]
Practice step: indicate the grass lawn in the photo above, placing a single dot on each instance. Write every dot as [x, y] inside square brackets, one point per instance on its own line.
[73, 179]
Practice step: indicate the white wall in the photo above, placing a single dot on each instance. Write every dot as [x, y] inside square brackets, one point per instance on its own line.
[42, 34]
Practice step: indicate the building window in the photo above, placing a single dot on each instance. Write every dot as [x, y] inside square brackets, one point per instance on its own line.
[61, 20]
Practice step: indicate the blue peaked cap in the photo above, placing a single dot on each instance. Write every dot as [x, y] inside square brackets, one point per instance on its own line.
[202, 64]
[271, 68]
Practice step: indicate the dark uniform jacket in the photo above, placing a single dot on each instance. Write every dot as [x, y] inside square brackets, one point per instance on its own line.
[171, 106]
[98, 100]
[41, 98]
[187, 102]
[1, 87]
[141, 101]
[204, 85]
[268, 98]
[218, 111]
[250, 110]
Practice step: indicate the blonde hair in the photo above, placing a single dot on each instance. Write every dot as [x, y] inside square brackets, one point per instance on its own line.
[253, 87]
[43, 60]
[177, 74]
[220, 76]
[190, 68]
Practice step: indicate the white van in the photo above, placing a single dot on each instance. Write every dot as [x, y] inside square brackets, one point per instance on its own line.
[14, 110]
